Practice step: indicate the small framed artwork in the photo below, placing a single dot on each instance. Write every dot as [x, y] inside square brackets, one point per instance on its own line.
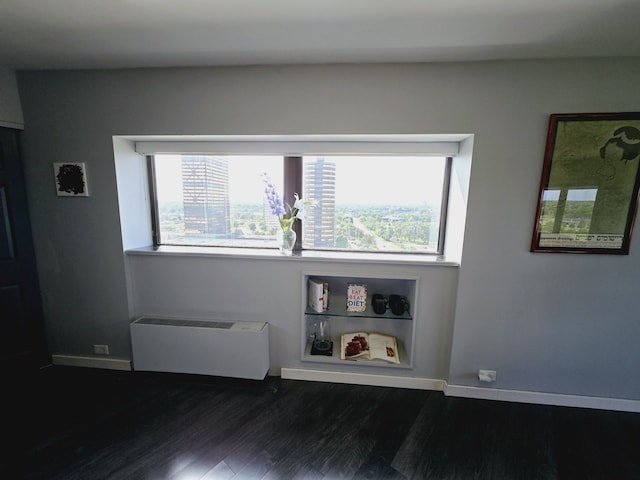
[589, 188]
[71, 179]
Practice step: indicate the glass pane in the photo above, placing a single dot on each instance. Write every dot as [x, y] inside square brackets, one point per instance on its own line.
[567, 210]
[388, 204]
[216, 200]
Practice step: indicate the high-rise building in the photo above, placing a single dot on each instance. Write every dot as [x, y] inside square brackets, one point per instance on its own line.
[206, 196]
[320, 186]
[270, 220]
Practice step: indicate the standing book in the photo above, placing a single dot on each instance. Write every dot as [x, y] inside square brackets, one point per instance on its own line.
[369, 346]
[318, 295]
[356, 297]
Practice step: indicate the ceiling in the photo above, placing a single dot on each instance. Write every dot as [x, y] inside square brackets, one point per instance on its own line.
[80, 34]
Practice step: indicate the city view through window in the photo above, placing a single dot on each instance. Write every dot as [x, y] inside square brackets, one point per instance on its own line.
[372, 203]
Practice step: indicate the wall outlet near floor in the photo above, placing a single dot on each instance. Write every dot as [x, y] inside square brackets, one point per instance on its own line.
[101, 349]
[487, 376]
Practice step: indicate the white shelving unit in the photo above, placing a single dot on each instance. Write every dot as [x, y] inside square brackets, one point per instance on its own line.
[341, 321]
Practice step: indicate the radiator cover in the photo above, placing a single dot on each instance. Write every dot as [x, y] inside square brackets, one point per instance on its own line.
[204, 347]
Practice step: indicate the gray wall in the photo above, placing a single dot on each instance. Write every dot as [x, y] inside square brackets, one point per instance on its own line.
[10, 108]
[546, 322]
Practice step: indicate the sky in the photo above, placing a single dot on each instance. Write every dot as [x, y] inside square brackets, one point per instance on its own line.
[359, 180]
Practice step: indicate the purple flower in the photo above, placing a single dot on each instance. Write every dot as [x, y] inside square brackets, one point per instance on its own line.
[276, 205]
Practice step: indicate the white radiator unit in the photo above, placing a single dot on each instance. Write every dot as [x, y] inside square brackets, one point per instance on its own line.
[204, 347]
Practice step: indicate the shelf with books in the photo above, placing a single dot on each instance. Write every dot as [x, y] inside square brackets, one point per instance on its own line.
[337, 308]
[329, 299]
[335, 357]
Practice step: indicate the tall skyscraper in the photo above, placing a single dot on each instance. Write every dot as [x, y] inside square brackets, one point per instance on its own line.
[206, 196]
[270, 220]
[320, 186]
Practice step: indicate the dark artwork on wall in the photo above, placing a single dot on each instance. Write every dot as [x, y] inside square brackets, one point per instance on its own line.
[71, 179]
[589, 188]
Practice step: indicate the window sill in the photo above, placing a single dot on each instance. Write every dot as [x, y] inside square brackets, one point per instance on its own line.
[312, 256]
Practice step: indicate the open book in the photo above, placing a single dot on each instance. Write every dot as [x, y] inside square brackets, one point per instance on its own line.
[369, 346]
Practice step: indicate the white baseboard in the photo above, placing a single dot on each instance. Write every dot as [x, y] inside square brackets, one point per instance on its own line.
[363, 379]
[542, 398]
[519, 396]
[91, 362]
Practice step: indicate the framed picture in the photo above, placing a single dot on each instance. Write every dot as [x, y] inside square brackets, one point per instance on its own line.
[71, 179]
[589, 187]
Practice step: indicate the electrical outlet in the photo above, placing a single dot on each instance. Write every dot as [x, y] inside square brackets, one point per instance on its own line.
[101, 349]
[487, 376]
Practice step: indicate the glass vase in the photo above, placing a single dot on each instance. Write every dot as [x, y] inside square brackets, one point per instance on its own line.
[286, 241]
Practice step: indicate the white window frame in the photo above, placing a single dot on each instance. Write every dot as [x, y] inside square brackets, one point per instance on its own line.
[450, 145]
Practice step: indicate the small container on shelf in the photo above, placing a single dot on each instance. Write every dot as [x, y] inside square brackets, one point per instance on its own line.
[322, 343]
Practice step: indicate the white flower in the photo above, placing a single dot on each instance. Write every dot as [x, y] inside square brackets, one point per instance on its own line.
[300, 206]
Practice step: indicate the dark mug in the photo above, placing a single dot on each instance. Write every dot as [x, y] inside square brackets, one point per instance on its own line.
[398, 304]
[379, 303]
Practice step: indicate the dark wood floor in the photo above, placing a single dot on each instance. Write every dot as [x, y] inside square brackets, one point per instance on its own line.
[97, 424]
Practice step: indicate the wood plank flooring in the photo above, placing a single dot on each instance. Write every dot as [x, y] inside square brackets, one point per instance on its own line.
[74, 423]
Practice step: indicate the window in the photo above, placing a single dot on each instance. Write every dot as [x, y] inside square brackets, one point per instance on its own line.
[214, 200]
[375, 203]
[369, 203]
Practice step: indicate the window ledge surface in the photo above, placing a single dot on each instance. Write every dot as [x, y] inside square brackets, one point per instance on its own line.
[319, 256]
